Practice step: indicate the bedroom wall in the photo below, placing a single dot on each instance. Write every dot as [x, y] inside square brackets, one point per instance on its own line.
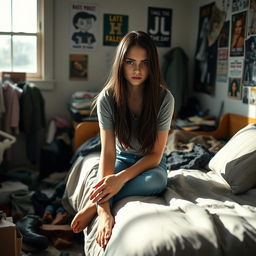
[213, 102]
[100, 59]
[56, 93]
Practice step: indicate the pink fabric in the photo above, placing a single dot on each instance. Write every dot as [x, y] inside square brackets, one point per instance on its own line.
[12, 108]
[61, 123]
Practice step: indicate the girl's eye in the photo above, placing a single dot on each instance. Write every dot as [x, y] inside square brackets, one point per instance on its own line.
[129, 62]
[145, 63]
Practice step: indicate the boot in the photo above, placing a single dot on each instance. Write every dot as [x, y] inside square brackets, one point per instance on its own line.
[29, 227]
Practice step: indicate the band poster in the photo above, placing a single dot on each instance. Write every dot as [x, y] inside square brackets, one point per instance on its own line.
[250, 62]
[249, 74]
[211, 21]
[78, 67]
[223, 54]
[159, 25]
[115, 27]
[83, 26]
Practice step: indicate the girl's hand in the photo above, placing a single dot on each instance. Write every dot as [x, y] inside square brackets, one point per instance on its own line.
[106, 188]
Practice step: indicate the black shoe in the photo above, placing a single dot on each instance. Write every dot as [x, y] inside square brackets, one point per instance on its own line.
[29, 228]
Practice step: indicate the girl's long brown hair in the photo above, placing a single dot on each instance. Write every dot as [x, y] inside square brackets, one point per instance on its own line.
[116, 84]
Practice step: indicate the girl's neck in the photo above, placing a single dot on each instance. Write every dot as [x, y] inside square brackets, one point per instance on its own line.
[135, 91]
[135, 99]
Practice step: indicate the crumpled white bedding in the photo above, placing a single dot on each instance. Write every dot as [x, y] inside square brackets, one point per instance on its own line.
[196, 215]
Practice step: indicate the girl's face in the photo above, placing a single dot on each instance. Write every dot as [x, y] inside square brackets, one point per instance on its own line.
[238, 27]
[234, 87]
[136, 66]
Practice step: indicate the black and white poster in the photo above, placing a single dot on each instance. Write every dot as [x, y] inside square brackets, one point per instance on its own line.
[249, 76]
[211, 21]
[83, 26]
[159, 25]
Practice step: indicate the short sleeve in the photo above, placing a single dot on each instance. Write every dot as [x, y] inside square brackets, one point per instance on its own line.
[166, 112]
[104, 111]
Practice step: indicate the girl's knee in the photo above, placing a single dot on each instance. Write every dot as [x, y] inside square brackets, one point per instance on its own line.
[156, 181]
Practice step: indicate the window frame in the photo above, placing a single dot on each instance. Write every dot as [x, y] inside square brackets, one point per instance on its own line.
[44, 76]
[37, 34]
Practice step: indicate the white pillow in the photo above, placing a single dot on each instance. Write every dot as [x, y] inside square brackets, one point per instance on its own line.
[236, 161]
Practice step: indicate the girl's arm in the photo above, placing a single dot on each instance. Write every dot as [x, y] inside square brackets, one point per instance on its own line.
[111, 184]
[108, 153]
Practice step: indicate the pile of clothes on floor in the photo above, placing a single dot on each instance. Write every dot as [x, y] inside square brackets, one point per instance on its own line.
[36, 209]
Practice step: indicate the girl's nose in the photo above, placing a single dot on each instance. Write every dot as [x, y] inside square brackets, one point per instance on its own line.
[137, 67]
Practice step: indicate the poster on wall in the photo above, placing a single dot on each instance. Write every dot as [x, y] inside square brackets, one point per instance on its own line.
[83, 26]
[236, 67]
[239, 5]
[234, 88]
[249, 76]
[159, 25]
[224, 35]
[115, 27]
[252, 99]
[223, 53]
[211, 21]
[238, 23]
[222, 71]
[78, 67]
[246, 93]
[252, 18]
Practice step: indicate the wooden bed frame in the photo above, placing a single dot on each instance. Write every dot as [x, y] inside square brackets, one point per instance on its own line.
[229, 124]
[85, 131]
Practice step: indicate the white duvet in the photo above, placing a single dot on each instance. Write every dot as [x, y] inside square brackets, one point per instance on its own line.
[196, 215]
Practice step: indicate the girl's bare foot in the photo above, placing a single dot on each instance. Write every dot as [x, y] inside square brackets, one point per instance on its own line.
[83, 218]
[105, 226]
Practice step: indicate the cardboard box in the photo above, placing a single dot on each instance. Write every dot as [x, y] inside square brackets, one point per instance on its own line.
[10, 239]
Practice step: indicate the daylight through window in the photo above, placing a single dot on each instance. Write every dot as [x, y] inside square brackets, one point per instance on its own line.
[20, 37]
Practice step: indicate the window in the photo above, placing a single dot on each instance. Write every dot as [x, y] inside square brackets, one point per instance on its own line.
[20, 37]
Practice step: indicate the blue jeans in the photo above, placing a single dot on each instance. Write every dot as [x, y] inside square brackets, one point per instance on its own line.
[148, 183]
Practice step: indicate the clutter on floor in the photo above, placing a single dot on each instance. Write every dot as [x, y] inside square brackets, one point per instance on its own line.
[33, 198]
[38, 213]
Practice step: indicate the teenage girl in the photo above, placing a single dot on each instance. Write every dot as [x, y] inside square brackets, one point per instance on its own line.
[134, 110]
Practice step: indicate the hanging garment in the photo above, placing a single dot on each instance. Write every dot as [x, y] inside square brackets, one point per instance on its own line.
[32, 114]
[2, 104]
[11, 117]
[175, 71]
[32, 119]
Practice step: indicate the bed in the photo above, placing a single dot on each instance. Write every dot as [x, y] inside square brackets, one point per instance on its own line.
[203, 211]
